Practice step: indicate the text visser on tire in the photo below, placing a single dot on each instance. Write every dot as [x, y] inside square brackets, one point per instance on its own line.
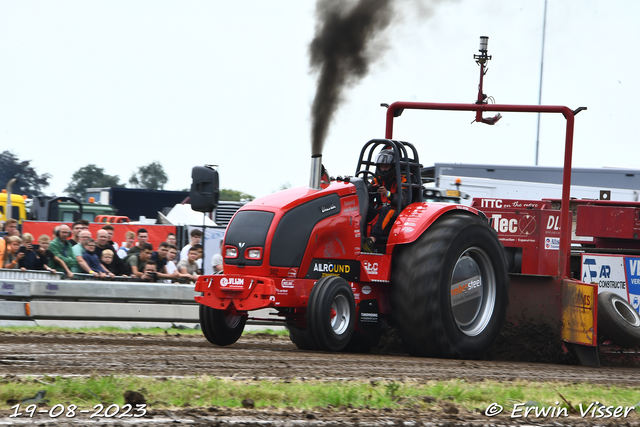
[617, 320]
[450, 289]
[220, 327]
[331, 313]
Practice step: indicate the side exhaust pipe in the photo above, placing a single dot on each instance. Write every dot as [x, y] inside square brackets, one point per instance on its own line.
[316, 172]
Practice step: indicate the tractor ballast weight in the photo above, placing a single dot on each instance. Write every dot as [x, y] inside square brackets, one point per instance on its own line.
[440, 277]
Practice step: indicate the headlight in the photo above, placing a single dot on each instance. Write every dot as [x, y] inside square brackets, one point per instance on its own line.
[230, 252]
[253, 253]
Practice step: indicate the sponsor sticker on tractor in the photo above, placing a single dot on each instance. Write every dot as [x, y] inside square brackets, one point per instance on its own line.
[320, 268]
[287, 283]
[466, 290]
[232, 282]
[371, 267]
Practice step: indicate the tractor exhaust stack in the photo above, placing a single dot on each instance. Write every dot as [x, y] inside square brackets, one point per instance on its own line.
[316, 172]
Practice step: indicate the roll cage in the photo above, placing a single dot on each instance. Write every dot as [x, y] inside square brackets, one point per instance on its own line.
[406, 161]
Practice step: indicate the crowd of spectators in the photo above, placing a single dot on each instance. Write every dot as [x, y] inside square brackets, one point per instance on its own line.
[75, 253]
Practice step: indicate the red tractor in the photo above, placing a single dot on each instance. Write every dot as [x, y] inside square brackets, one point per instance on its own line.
[440, 276]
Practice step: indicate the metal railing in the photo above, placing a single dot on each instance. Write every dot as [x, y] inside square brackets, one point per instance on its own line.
[45, 275]
[43, 296]
[35, 299]
[6, 273]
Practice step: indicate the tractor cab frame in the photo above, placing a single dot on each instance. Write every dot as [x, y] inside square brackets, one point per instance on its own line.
[406, 162]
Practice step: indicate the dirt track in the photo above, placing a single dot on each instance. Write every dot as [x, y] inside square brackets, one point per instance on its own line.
[269, 357]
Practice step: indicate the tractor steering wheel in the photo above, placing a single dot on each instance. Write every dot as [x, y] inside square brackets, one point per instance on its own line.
[368, 177]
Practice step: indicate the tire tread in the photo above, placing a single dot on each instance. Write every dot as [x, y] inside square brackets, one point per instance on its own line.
[417, 288]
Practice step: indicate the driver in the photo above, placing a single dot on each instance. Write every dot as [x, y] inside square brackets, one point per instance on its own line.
[383, 204]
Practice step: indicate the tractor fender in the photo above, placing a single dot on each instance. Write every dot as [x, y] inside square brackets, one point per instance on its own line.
[414, 220]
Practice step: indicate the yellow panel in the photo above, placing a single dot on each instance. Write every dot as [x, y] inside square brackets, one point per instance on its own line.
[579, 313]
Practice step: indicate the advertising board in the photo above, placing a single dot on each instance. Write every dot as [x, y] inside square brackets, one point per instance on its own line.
[614, 273]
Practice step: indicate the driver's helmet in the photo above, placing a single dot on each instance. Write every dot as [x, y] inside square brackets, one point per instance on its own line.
[385, 157]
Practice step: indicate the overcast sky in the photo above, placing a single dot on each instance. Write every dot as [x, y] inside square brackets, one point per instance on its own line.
[123, 83]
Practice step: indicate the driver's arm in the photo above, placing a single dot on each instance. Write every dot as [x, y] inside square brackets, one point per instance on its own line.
[403, 194]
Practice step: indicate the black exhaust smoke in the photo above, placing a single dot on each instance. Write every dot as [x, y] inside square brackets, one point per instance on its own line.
[341, 53]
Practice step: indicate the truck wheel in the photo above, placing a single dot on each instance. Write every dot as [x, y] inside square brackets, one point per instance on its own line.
[617, 320]
[331, 313]
[221, 327]
[450, 289]
[301, 337]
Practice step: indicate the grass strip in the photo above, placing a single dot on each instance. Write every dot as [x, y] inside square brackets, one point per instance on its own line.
[207, 391]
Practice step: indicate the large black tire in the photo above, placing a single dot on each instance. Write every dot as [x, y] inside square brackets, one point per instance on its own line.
[220, 327]
[450, 289]
[301, 337]
[331, 313]
[617, 320]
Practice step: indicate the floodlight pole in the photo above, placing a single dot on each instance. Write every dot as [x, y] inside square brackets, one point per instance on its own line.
[544, 30]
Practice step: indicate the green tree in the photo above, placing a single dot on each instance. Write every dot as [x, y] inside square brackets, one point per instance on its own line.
[151, 177]
[27, 179]
[90, 176]
[227, 195]
[285, 186]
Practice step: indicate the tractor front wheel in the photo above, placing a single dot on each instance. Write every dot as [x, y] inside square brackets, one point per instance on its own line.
[221, 327]
[331, 313]
[300, 337]
[450, 289]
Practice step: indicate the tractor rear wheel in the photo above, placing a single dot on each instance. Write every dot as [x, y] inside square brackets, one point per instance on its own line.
[221, 327]
[617, 320]
[450, 289]
[331, 313]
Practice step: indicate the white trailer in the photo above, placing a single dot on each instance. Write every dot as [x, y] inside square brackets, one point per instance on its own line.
[535, 182]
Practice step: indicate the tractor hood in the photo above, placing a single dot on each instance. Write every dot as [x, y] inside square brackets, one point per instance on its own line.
[280, 225]
[288, 199]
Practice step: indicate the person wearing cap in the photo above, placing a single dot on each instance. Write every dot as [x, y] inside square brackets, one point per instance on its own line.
[384, 203]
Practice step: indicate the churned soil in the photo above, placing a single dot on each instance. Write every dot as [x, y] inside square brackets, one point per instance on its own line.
[262, 356]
